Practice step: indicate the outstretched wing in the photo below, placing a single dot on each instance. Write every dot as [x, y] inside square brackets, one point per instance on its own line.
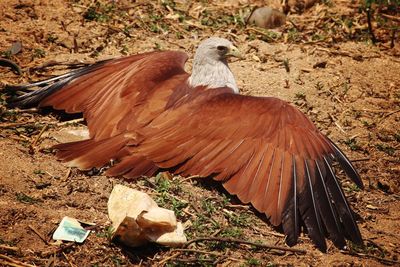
[114, 95]
[266, 152]
[142, 113]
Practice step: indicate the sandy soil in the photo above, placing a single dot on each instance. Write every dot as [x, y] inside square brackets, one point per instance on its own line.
[348, 87]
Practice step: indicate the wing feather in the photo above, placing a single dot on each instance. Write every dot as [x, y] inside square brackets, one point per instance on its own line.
[312, 216]
[329, 215]
[285, 184]
[258, 188]
[231, 184]
[258, 176]
[347, 166]
[290, 218]
[239, 156]
[270, 206]
[342, 207]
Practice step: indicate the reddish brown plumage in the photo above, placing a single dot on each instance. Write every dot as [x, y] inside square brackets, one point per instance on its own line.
[122, 94]
[142, 114]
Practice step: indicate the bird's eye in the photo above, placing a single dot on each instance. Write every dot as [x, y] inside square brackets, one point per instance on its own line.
[221, 48]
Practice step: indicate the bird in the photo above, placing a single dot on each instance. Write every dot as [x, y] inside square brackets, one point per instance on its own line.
[146, 114]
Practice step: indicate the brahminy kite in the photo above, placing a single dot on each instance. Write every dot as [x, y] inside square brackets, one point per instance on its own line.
[145, 114]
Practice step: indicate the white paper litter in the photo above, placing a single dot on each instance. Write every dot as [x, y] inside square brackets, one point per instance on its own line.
[70, 229]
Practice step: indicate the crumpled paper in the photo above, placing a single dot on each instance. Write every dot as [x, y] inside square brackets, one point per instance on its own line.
[70, 229]
[137, 219]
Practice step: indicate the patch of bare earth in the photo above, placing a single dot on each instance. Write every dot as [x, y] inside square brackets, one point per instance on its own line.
[347, 86]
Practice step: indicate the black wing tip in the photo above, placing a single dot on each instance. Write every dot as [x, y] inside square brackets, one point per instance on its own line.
[14, 100]
[328, 213]
[17, 87]
[346, 230]
[290, 226]
[321, 246]
[351, 229]
[291, 240]
[347, 166]
[45, 87]
[30, 99]
[358, 241]
[355, 235]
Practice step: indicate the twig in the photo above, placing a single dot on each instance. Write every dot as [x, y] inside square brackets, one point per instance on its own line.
[161, 263]
[178, 45]
[190, 178]
[70, 122]
[256, 31]
[18, 139]
[50, 261]
[68, 260]
[234, 240]
[39, 135]
[38, 234]
[370, 25]
[294, 25]
[337, 124]
[233, 206]
[216, 232]
[194, 260]
[220, 260]
[37, 125]
[67, 174]
[29, 110]
[60, 249]
[360, 159]
[390, 17]
[387, 115]
[221, 257]
[16, 124]
[197, 251]
[12, 262]
[264, 232]
[371, 256]
[393, 37]
[5, 247]
[373, 110]
[8, 63]
[345, 54]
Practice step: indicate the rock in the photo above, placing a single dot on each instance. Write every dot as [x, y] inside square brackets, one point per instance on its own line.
[71, 134]
[266, 17]
[137, 219]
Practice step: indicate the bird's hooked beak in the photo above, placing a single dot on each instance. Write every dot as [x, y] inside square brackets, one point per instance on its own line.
[233, 51]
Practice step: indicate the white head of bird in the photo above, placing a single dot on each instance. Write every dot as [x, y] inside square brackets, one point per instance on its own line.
[210, 66]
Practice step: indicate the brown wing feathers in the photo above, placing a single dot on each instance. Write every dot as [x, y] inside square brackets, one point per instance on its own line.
[280, 169]
[142, 114]
[114, 95]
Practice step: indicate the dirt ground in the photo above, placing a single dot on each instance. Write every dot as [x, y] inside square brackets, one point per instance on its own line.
[319, 61]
